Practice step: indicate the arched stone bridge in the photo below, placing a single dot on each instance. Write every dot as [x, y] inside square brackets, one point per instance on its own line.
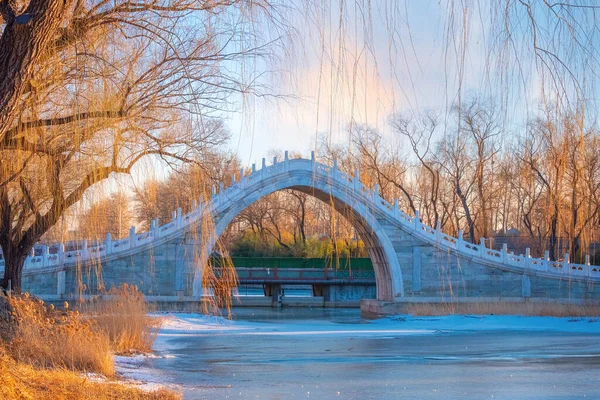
[409, 258]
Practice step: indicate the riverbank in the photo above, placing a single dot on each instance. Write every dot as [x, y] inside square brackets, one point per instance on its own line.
[373, 309]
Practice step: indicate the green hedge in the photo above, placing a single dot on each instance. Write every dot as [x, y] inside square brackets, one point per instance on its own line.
[356, 264]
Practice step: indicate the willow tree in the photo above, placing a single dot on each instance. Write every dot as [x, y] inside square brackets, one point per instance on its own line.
[90, 87]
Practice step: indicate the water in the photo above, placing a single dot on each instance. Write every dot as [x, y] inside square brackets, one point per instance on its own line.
[334, 354]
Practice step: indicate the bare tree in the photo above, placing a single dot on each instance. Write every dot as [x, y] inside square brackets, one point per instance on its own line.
[383, 162]
[454, 160]
[109, 215]
[419, 132]
[193, 182]
[545, 154]
[297, 208]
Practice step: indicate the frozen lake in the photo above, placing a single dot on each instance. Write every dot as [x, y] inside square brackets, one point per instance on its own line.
[334, 354]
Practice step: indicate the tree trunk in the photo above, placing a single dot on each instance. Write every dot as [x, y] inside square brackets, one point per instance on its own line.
[303, 223]
[21, 47]
[575, 248]
[13, 268]
[465, 204]
[553, 239]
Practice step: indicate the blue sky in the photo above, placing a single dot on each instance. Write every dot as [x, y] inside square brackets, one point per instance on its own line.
[392, 57]
[370, 78]
[405, 58]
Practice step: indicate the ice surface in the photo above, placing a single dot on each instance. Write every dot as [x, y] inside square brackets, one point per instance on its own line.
[280, 354]
[175, 324]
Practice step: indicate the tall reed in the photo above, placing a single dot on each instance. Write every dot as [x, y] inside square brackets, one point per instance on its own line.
[122, 315]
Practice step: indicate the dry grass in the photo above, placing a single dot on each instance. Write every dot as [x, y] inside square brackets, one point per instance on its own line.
[43, 350]
[123, 317]
[505, 308]
[44, 337]
[23, 381]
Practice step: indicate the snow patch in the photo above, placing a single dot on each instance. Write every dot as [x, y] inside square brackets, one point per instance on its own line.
[135, 372]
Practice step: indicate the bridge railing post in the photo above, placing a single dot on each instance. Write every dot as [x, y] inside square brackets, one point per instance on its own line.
[132, 237]
[61, 254]
[417, 221]
[286, 161]
[460, 240]
[356, 180]
[179, 217]
[153, 230]
[566, 262]
[45, 254]
[587, 264]
[108, 243]
[438, 232]
[60, 282]
[482, 249]
[313, 161]
[84, 251]
[546, 260]
[527, 257]
[334, 170]
[396, 208]
[376, 194]
[505, 253]
[263, 168]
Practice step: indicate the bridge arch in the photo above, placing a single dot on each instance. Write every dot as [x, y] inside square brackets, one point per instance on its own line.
[174, 247]
[321, 183]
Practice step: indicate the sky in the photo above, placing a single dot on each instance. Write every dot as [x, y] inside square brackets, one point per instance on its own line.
[386, 57]
[380, 58]
[399, 64]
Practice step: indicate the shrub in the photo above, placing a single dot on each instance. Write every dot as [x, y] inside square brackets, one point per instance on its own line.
[123, 317]
[45, 337]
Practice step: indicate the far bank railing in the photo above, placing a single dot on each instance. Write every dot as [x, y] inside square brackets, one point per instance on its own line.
[64, 254]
